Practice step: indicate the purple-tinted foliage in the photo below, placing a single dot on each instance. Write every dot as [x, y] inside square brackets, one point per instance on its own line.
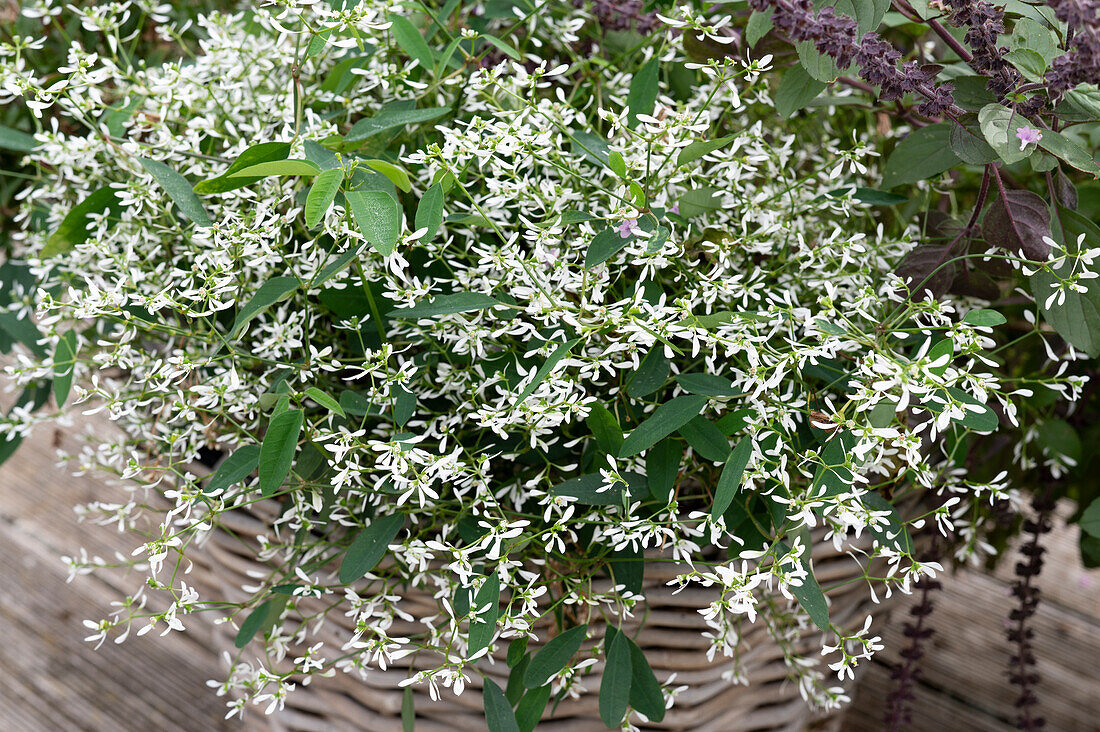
[837, 36]
[1081, 62]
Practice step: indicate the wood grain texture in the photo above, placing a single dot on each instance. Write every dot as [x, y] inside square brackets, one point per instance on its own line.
[965, 684]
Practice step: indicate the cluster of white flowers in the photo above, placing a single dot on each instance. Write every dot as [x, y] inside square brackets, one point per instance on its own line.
[737, 273]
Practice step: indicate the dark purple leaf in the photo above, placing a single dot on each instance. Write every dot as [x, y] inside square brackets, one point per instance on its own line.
[1017, 222]
[921, 269]
[1064, 190]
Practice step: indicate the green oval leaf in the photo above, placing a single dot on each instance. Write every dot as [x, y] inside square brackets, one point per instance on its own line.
[321, 195]
[730, 480]
[984, 318]
[410, 41]
[605, 428]
[668, 418]
[390, 118]
[234, 468]
[459, 302]
[179, 190]
[498, 712]
[378, 216]
[484, 626]
[615, 684]
[369, 546]
[277, 451]
[605, 245]
[554, 656]
[270, 292]
[643, 92]
[429, 212]
[796, 89]
[698, 149]
[64, 361]
[263, 152]
[252, 624]
[73, 229]
[924, 153]
[531, 707]
[645, 692]
[15, 140]
[277, 167]
[325, 400]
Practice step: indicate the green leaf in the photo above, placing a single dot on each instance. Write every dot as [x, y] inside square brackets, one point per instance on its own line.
[984, 318]
[22, 330]
[605, 428]
[662, 464]
[64, 362]
[516, 651]
[605, 245]
[270, 292]
[408, 710]
[459, 302]
[923, 154]
[498, 712]
[389, 118]
[325, 400]
[628, 568]
[255, 620]
[707, 385]
[730, 480]
[979, 417]
[276, 167]
[369, 546]
[1077, 319]
[378, 216]
[484, 626]
[999, 125]
[15, 140]
[645, 692]
[554, 656]
[666, 419]
[1066, 149]
[760, 23]
[548, 365]
[796, 89]
[321, 195]
[395, 173]
[514, 691]
[234, 468]
[411, 42]
[1030, 34]
[700, 201]
[404, 405]
[503, 47]
[179, 190]
[429, 212]
[968, 142]
[894, 533]
[812, 599]
[698, 149]
[1028, 62]
[817, 64]
[277, 451]
[615, 684]
[643, 92]
[73, 229]
[706, 439]
[589, 490]
[1090, 519]
[531, 707]
[651, 375]
[261, 153]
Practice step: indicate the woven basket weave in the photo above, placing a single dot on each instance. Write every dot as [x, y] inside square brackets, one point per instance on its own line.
[671, 639]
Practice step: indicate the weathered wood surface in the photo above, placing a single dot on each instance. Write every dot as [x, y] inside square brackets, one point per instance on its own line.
[965, 685]
[53, 680]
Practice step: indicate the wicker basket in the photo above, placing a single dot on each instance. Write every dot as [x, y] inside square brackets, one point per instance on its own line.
[672, 641]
